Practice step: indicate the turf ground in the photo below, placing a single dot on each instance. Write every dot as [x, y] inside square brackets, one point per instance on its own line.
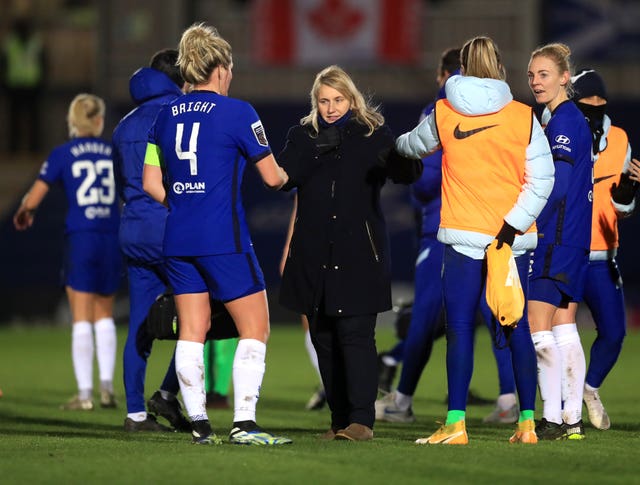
[41, 444]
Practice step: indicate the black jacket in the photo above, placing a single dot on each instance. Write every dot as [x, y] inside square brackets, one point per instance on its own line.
[339, 252]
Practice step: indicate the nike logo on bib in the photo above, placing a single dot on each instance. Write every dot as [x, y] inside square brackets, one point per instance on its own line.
[461, 135]
[600, 179]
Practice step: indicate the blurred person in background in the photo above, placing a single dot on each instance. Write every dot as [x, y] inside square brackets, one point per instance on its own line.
[560, 261]
[200, 144]
[141, 232]
[23, 71]
[337, 271]
[496, 175]
[616, 177]
[92, 260]
[426, 322]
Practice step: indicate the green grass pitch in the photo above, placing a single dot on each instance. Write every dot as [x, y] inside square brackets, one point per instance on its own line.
[41, 444]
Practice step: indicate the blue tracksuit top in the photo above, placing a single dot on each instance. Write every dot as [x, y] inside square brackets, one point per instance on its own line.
[143, 219]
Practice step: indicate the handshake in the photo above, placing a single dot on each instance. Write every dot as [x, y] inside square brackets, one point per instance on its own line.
[400, 170]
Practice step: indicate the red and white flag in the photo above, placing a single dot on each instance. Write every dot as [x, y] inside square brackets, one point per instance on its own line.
[320, 32]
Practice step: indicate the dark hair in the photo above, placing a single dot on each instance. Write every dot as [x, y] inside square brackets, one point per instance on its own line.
[450, 61]
[166, 61]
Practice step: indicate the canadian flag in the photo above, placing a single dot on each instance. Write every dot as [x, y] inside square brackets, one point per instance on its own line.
[320, 32]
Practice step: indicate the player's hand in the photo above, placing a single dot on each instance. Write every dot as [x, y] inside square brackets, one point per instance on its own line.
[625, 190]
[284, 175]
[506, 235]
[23, 218]
[634, 170]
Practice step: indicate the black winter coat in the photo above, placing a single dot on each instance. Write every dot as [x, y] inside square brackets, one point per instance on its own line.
[339, 253]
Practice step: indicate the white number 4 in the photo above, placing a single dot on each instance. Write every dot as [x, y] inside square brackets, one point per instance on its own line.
[191, 155]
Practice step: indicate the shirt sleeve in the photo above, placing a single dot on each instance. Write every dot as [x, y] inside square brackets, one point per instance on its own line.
[561, 141]
[421, 141]
[153, 155]
[51, 168]
[252, 136]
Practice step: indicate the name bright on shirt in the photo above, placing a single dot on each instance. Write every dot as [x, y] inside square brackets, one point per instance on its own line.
[191, 106]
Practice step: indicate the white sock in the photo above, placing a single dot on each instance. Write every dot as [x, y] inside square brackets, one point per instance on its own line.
[190, 370]
[248, 371]
[137, 417]
[390, 361]
[589, 388]
[549, 375]
[574, 370]
[403, 401]
[311, 350]
[506, 401]
[106, 346]
[82, 357]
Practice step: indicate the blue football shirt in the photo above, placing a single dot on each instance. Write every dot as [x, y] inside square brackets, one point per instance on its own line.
[205, 141]
[84, 167]
[566, 220]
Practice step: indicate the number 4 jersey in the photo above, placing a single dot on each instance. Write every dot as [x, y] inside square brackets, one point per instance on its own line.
[85, 169]
[203, 140]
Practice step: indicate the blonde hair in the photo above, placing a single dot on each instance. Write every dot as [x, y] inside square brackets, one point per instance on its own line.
[86, 116]
[480, 57]
[560, 54]
[336, 78]
[201, 50]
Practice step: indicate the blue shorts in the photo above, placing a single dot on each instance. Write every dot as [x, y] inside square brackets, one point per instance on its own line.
[93, 262]
[225, 276]
[558, 274]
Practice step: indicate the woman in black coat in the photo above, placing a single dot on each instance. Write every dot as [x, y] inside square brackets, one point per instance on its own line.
[337, 270]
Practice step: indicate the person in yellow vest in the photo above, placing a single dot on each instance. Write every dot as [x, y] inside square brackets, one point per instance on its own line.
[497, 173]
[23, 74]
[614, 190]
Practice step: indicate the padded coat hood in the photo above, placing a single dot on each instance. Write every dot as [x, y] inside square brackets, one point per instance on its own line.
[147, 83]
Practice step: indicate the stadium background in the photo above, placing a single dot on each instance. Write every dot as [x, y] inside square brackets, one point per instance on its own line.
[95, 46]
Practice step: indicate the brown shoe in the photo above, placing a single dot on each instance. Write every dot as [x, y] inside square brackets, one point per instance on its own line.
[355, 432]
[328, 435]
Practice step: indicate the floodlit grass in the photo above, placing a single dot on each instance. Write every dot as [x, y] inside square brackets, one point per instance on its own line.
[41, 444]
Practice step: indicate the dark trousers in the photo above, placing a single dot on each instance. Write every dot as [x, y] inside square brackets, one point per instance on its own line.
[347, 358]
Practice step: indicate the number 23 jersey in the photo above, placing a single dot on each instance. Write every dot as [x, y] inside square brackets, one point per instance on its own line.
[203, 141]
[84, 166]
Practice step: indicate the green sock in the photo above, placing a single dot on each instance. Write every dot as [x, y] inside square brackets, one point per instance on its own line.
[454, 416]
[526, 414]
[224, 352]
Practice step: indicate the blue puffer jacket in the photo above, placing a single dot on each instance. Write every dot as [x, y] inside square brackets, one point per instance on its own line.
[143, 219]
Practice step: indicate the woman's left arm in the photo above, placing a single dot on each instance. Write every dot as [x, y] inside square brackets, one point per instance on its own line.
[23, 218]
[152, 175]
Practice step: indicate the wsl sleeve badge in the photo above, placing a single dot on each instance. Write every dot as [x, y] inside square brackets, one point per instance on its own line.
[258, 132]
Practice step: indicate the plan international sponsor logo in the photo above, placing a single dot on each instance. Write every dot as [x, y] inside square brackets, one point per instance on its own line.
[189, 188]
